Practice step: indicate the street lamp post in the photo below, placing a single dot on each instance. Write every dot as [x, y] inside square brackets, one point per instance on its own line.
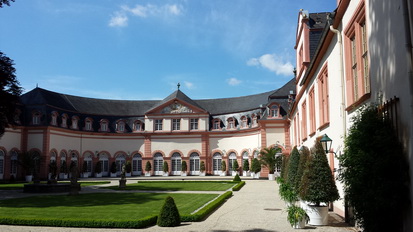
[326, 143]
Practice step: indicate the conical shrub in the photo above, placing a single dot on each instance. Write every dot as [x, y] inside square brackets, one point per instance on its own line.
[169, 215]
[236, 178]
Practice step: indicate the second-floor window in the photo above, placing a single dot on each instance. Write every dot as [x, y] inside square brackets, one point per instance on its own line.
[88, 125]
[120, 126]
[138, 126]
[176, 124]
[274, 111]
[104, 126]
[36, 118]
[158, 124]
[216, 125]
[244, 122]
[64, 121]
[75, 123]
[231, 123]
[194, 124]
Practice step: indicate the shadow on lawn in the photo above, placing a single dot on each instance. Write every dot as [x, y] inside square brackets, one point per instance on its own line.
[82, 200]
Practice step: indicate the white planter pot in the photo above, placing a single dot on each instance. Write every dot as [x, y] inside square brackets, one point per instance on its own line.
[98, 175]
[300, 224]
[202, 174]
[234, 173]
[318, 215]
[85, 174]
[223, 174]
[113, 175]
[165, 174]
[147, 174]
[255, 175]
[271, 177]
[246, 173]
[29, 178]
[183, 174]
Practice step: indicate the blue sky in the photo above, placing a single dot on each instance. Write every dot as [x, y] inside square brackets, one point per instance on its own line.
[140, 50]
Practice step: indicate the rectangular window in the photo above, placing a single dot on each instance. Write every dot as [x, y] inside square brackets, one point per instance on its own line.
[304, 120]
[176, 124]
[158, 124]
[104, 127]
[323, 96]
[216, 125]
[88, 125]
[311, 103]
[194, 124]
[137, 126]
[64, 122]
[356, 55]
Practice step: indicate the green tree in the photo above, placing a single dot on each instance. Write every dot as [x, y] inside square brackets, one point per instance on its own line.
[223, 166]
[235, 166]
[246, 165]
[293, 167]
[184, 167]
[317, 184]
[375, 172]
[148, 166]
[165, 167]
[255, 166]
[284, 167]
[267, 157]
[304, 154]
[5, 2]
[9, 91]
[202, 166]
[169, 215]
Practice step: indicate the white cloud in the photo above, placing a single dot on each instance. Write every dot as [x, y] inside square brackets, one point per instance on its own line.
[148, 10]
[118, 20]
[233, 81]
[273, 63]
[189, 85]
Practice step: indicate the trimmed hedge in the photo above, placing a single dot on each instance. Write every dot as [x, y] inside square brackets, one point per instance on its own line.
[238, 186]
[204, 212]
[140, 223]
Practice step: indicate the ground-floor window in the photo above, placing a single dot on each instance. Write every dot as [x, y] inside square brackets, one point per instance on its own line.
[216, 163]
[88, 160]
[104, 158]
[120, 161]
[157, 164]
[244, 157]
[1, 164]
[231, 159]
[137, 164]
[176, 162]
[194, 163]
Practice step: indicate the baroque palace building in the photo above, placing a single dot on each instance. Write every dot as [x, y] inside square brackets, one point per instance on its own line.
[59, 127]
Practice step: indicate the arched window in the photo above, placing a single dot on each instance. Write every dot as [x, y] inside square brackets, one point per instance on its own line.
[13, 163]
[138, 126]
[88, 124]
[231, 123]
[254, 120]
[120, 161]
[36, 118]
[54, 115]
[157, 164]
[120, 126]
[231, 159]
[137, 164]
[176, 163]
[104, 125]
[194, 165]
[274, 111]
[64, 121]
[75, 122]
[216, 163]
[104, 159]
[244, 122]
[216, 124]
[1, 164]
[88, 160]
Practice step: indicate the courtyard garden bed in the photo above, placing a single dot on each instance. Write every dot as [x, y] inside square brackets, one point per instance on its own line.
[179, 186]
[18, 186]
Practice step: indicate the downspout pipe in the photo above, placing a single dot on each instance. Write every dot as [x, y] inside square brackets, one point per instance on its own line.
[341, 70]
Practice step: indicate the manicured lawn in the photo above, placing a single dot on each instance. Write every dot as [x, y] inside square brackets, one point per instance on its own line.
[179, 186]
[98, 206]
[17, 186]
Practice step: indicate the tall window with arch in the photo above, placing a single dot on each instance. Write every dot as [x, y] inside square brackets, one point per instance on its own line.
[231, 159]
[36, 118]
[120, 126]
[157, 164]
[216, 163]
[13, 163]
[137, 164]
[2, 164]
[176, 164]
[194, 164]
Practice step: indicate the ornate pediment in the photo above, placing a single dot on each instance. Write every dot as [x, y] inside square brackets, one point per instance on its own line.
[176, 108]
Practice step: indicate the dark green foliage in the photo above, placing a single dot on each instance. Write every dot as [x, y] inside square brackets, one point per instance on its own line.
[204, 212]
[84, 167]
[293, 167]
[246, 165]
[169, 215]
[235, 166]
[5, 2]
[165, 166]
[202, 166]
[223, 166]
[375, 173]
[63, 167]
[238, 186]
[98, 167]
[148, 166]
[295, 214]
[236, 178]
[9, 89]
[286, 191]
[184, 167]
[317, 184]
[284, 167]
[267, 157]
[128, 166]
[255, 166]
[304, 154]
[28, 162]
[113, 168]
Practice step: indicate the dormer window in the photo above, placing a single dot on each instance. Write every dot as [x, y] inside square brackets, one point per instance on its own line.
[274, 111]
[158, 124]
[53, 122]
[194, 124]
[120, 126]
[231, 123]
[176, 124]
[75, 122]
[138, 126]
[254, 120]
[244, 122]
[104, 125]
[36, 118]
[64, 121]
[216, 124]
[88, 124]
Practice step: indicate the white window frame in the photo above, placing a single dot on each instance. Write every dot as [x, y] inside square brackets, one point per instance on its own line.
[194, 123]
[176, 124]
[158, 124]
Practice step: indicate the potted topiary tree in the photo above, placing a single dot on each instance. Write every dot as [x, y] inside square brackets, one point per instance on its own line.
[184, 169]
[223, 168]
[113, 169]
[293, 167]
[318, 186]
[202, 169]
[235, 168]
[148, 168]
[267, 158]
[52, 171]
[246, 168]
[63, 170]
[128, 167]
[255, 168]
[27, 161]
[165, 168]
[296, 216]
[84, 170]
[287, 192]
[98, 169]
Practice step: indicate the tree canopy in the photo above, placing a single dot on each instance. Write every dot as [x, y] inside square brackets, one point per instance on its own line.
[10, 91]
[5, 2]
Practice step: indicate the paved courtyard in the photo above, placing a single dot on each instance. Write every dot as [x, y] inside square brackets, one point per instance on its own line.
[256, 207]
